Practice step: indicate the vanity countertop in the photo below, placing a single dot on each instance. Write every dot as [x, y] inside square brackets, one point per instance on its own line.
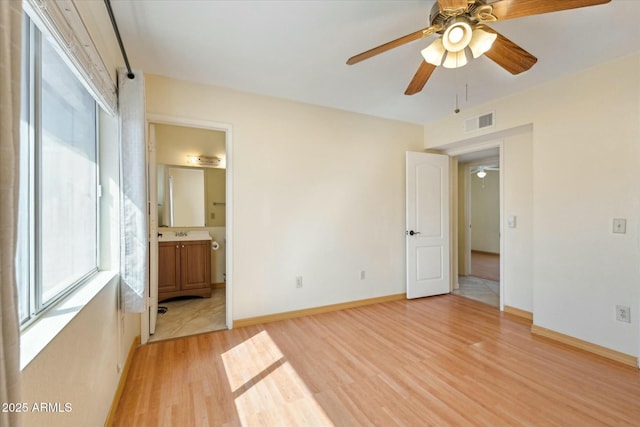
[182, 236]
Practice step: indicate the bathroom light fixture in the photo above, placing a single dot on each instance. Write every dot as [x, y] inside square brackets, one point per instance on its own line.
[203, 160]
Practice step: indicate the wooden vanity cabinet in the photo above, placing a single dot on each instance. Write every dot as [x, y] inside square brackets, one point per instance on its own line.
[184, 269]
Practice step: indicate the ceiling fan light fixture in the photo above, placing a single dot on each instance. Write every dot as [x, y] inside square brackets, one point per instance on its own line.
[481, 173]
[455, 59]
[434, 53]
[481, 42]
[457, 36]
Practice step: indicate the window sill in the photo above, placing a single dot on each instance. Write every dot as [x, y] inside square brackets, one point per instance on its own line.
[39, 334]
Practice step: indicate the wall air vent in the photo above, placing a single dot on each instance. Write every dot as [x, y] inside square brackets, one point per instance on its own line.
[479, 122]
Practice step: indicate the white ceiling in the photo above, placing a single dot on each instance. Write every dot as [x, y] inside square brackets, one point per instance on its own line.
[297, 50]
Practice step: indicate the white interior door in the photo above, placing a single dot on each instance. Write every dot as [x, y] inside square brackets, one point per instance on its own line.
[153, 231]
[427, 231]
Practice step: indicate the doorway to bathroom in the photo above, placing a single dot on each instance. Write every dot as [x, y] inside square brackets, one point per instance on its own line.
[189, 192]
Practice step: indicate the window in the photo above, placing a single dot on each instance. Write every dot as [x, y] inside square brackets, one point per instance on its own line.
[58, 222]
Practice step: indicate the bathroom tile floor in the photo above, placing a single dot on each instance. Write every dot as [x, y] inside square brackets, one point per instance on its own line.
[190, 316]
[483, 290]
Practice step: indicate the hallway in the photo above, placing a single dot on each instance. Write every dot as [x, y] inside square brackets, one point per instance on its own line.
[484, 282]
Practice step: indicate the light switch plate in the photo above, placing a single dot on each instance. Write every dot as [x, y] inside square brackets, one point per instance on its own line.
[619, 225]
[511, 221]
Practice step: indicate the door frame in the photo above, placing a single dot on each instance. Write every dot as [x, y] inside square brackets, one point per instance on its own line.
[468, 212]
[227, 129]
[472, 148]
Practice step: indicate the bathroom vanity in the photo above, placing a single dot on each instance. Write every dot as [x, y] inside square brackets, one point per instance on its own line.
[184, 264]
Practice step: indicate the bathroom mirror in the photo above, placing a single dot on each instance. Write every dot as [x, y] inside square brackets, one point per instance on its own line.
[190, 196]
[182, 196]
[190, 199]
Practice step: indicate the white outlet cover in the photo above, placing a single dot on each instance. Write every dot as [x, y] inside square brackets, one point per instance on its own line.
[619, 225]
[623, 313]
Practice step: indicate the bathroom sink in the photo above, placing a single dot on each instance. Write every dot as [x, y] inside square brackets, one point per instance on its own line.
[174, 236]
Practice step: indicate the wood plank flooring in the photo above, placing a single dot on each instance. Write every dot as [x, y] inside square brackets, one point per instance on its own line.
[446, 361]
[485, 265]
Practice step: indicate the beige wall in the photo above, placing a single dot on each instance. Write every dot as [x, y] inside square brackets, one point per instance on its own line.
[81, 365]
[175, 143]
[318, 193]
[464, 267]
[517, 253]
[485, 212]
[215, 181]
[584, 122]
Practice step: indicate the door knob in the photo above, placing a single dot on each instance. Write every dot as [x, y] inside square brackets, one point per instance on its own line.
[411, 233]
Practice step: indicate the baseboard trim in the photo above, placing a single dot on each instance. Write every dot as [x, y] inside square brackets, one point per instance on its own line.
[518, 312]
[250, 321]
[222, 285]
[122, 382]
[585, 345]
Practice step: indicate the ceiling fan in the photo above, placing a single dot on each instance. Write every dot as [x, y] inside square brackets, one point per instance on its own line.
[462, 26]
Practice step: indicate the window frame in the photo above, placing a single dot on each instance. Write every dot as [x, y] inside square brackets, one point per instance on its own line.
[31, 294]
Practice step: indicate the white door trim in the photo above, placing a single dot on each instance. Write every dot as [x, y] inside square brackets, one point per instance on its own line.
[152, 185]
[227, 129]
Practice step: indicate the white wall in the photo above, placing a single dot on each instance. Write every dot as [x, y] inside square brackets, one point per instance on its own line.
[81, 365]
[318, 193]
[586, 163]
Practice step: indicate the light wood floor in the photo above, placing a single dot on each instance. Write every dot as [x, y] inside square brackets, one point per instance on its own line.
[446, 361]
[485, 265]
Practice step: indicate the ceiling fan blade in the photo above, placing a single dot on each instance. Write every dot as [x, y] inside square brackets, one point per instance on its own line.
[509, 9]
[452, 4]
[426, 32]
[420, 78]
[509, 55]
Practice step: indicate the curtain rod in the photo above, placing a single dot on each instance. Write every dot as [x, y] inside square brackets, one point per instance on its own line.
[115, 29]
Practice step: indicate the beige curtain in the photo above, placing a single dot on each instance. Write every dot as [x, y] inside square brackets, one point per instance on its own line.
[10, 58]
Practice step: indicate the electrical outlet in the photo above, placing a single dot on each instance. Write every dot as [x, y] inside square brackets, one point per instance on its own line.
[619, 225]
[298, 281]
[623, 313]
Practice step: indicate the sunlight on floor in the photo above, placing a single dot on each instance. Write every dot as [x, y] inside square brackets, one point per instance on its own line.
[267, 390]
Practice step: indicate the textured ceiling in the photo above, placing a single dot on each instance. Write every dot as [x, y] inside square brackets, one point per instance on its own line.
[297, 50]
